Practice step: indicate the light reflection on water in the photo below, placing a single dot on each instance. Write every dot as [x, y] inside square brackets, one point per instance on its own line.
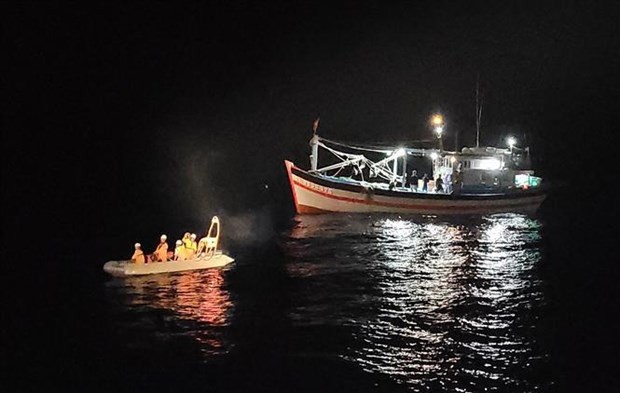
[451, 304]
[197, 303]
[436, 304]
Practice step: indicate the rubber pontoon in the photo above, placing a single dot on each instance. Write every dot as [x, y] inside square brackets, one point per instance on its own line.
[127, 268]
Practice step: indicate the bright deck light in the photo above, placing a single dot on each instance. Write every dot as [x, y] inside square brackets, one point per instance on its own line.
[400, 152]
[433, 156]
[511, 141]
[491, 163]
[437, 121]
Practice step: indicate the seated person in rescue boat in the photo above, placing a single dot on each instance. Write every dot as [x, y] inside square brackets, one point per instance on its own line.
[161, 252]
[187, 242]
[193, 247]
[179, 251]
[138, 254]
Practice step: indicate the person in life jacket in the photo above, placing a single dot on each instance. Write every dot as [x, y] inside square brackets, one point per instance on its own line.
[193, 247]
[187, 242]
[138, 254]
[161, 252]
[179, 251]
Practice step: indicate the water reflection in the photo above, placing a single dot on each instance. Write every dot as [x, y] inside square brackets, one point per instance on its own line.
[446, 304]
[197, 302]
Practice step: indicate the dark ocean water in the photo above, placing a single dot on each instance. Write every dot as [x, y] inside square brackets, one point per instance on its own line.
[503, 302]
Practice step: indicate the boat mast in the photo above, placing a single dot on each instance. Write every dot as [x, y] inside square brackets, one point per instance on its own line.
[314, 143]
[478, 111]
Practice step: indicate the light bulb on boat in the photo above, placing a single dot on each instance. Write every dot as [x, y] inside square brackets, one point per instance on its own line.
[434, 156]
[491, 163]
[437, 120]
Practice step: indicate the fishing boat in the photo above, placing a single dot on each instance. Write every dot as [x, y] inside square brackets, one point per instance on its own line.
[208, 257]
[476, 180]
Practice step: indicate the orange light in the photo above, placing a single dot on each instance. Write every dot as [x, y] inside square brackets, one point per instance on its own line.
[437, 120]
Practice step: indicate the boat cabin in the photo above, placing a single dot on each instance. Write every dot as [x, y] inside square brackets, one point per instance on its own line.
[480, 170]
[486, 169]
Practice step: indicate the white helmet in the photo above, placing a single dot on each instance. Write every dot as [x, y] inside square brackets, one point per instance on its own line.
[163, 237]
[179, 243]
[193, 236]
[137, 245]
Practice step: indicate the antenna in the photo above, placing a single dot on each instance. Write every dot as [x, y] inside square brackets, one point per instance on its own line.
[478, 111]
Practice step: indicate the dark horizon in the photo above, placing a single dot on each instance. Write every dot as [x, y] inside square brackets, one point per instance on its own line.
[122, 122]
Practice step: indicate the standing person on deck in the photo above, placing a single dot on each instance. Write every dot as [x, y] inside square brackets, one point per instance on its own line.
[448, 183]
[439, 184]
[413, 181]
[457, 179]
[161, 252]
[425, 180]
[138, 254]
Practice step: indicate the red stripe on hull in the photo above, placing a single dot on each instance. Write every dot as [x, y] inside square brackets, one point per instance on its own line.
[422, 206]
[304, 209]
[405, 205]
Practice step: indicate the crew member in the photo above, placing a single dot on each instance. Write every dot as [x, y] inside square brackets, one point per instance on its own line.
[193, 246]
[161, 252]
[187, 242]
[179, 251]
[439, 184]
[138, 254]
[413, 181]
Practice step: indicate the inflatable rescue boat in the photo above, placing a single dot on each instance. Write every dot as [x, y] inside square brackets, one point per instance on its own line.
[211, 257]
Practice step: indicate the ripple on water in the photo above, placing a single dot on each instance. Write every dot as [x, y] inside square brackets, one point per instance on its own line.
[453, 304]
[189, 304]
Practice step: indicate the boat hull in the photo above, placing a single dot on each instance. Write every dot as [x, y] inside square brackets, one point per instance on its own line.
[127, 268]
[315, 195]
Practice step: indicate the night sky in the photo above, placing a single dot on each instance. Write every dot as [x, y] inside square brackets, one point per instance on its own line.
[125, 120]
[141, 117]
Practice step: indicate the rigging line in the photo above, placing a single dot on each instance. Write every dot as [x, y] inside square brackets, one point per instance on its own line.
[377, 148]
[372, 149]
[339, 153]
[334, 152]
